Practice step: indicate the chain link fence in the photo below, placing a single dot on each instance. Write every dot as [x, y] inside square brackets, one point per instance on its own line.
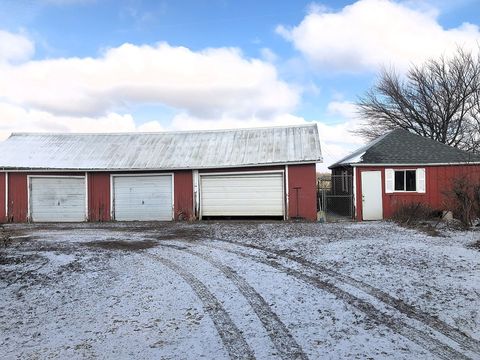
[335, 196]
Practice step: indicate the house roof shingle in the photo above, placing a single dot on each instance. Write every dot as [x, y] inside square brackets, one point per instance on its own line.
[403, 147]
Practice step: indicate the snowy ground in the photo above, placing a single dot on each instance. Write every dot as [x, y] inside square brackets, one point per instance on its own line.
[218, 290]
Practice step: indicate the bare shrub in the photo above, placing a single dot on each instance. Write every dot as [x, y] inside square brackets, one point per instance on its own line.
[413, 213]
[464, 199]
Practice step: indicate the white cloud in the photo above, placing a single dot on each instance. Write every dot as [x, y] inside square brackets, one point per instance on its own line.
[209, 83]
[184, 121]
[337, 137]
[213, 88]
[15, 47]
[209, 89]
[268, 55]
[371, 33]
[17, 119]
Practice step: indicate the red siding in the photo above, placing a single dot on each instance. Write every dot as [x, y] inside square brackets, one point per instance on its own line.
[302, 179]
[17, 197]
[301, 176]
[439, 179]
[183, 198]
[3, 215]
[98, 197]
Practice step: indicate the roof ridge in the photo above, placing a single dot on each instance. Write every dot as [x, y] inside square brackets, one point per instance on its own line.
[433, 141]
[310, 124]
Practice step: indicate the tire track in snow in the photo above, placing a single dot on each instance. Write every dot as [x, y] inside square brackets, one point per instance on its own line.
[278, 332]
[231, 336]
[419, 337]
[410, 311]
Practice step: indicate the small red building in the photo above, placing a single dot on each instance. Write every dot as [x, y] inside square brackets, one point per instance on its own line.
[399, 168]
[262, 172]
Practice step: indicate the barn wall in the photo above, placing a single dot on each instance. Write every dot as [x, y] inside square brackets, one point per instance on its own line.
[439, 180]
[3, 194]
[183, 194]
[17, 197]
[18, 194]
[302, 178]
[99, 196]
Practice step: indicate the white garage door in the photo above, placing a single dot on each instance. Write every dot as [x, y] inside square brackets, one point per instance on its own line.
[242, 195]
[142, 198]
[59, 199]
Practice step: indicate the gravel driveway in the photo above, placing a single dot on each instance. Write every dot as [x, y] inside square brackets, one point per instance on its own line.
[219, 290]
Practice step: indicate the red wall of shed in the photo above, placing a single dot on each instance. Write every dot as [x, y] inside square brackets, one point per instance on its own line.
[17, 197]
[98, 196]
[439, 180]
[3, 194]
[302, 177]
[183, 194]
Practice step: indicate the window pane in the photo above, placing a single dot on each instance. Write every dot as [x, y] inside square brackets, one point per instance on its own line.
[399, 180]
[411, 180]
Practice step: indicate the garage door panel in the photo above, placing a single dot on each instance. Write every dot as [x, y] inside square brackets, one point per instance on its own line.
[242, 195]
[57, 199]
[252, 195]
[143, 198]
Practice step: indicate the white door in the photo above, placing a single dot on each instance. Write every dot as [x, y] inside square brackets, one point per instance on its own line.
[57, 199]
[142, 198]
[260, 194]
[372, 208]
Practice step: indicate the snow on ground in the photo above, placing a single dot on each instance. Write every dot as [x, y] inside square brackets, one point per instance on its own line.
[216, 290]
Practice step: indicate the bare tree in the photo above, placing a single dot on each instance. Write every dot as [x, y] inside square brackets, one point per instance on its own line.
[439, 100]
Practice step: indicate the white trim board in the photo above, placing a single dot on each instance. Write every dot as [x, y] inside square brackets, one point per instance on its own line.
[286, 216]
[417, 165]
[6, 195]
[167, 170]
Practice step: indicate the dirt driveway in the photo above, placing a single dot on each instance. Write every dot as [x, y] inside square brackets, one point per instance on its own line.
[219, 290]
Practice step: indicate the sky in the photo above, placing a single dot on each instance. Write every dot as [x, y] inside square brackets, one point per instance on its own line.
[133, 65]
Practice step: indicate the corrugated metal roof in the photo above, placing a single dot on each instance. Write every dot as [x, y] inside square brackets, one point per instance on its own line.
[164, 150]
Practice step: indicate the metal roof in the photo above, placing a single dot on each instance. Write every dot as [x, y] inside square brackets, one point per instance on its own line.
[163, 150]
[403, 147]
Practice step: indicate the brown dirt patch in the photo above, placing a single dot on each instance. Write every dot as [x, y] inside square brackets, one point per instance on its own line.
[182, 234]
[125, 245]
[19, 259]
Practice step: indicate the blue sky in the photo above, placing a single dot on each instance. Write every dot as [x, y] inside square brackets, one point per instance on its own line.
[240, 63]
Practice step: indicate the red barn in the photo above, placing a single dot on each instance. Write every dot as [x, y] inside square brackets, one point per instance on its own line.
[399, 168]
[160, 176]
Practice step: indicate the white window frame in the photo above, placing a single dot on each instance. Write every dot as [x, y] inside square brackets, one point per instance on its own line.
[420, 180]
[405, 181]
